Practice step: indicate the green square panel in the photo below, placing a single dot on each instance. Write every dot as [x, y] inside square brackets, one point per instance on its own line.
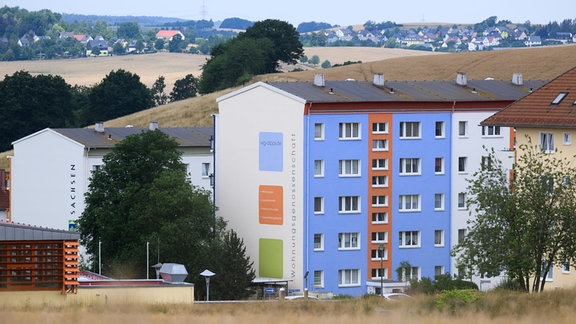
[271, 258]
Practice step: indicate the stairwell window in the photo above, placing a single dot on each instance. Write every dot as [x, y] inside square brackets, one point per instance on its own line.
[380, 218]
[379, 128]
[380, 145]
[379, 201]
[379, 164]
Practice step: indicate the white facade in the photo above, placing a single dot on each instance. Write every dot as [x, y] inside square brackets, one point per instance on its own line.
[51, 172]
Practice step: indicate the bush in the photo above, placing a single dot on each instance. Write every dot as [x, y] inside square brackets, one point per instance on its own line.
[452, 300]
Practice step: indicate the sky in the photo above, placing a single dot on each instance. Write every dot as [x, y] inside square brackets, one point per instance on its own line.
[343, 13]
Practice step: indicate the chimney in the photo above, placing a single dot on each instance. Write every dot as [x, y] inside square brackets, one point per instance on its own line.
[378, 80]
[461, 79]
[517, 79]
[319, 80]
[99, 127]
[153, 126]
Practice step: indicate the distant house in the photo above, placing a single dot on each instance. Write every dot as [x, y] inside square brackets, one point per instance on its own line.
[169, 34]
[533, 41]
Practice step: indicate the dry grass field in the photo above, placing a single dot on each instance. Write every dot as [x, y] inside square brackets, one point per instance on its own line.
[500, 307]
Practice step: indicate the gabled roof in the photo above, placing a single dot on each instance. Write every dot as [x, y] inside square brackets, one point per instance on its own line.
[165, 33]
[539, 109]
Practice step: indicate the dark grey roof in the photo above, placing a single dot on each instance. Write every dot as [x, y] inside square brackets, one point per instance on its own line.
[185, 136]
[10, 231]
[361, 91]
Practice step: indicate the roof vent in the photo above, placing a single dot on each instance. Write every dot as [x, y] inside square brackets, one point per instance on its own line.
[319, 80]
[517, 79]
[378, 80]
[173, 272]
[99, 127]
[153, 126]
[461, 79]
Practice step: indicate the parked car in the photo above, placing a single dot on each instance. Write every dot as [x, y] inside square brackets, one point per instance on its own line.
[395, 296]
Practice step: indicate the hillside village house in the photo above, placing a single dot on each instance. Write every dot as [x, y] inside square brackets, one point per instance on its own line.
[332, 184]
[547, 117]
[51, 168]
[169, 34]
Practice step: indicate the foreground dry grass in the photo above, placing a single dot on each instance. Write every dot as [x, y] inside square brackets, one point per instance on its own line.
[502, 307]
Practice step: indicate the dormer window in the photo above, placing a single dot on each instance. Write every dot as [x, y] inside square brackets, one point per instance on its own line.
[559, 98]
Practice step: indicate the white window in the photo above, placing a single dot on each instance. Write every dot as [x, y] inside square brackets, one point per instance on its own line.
[380, 145]
[412, 273]
[379, 164]
[379, 201]
[409, 129]
[348, 241]
[566, 267]
[379, 237]
[379, 273]
[318, 168]
[462, 128]
[409, 203]
[205, 170]
[318, 131]
[348, 277]
[490, 130]
[318, 278]
[461, 200]
[349, 131]
[349, 168]
[318, 205]
[409, 239]
[376, 254]
[379, 218]
[438, 238]
[438, 271]
[439, 201]
[439, 131]
[567, 139]
[547, 142]
[439, 165]
[318, 242]
[349, 204]
[379, 181]
[462, 160]
[461, 235]
[409, 166]
[559, 98]
[380, 128]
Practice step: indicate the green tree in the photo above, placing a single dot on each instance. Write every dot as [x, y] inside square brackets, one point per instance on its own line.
[158, 95]
[184, 88]
[159, 44]
[129, 31]
[326, 64]
[120, 93]
[314, 60]
[176, 44]
[523, 226]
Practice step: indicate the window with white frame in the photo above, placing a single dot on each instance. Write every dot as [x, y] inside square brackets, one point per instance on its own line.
[380, 128]
[547, 142]
[380, 145]
[318, 131]
[349, 131]
[318, 205]
[566, 267]
[348, 241]
[380, 201]
[462, 160]
[205, 170]
[439, 201]
[318, 168]
[439, 165]
[349, 168]
[567, 138]
[462, 128]
[439, 129]
[348, 277]
[379, 237]
[379, 164]
[490, 130]
[349, 204]
[318, 278]
[318, 242]
[409, 203]
[409, 239]
[377, 253]
[461, 200]
[411, 273]
[380, 218]
[379, 181]
[550, 274]
[461, 235]
[378, 273]
[409, 166]
[409, 130]
[439, 238]
[438, 271]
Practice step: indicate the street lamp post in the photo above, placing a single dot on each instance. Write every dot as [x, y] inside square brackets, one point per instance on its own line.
[207, 274]
[381, 250]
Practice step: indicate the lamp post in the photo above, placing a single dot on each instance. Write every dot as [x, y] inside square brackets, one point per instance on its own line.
[381, 250]
[207, 274]
[100, 257]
